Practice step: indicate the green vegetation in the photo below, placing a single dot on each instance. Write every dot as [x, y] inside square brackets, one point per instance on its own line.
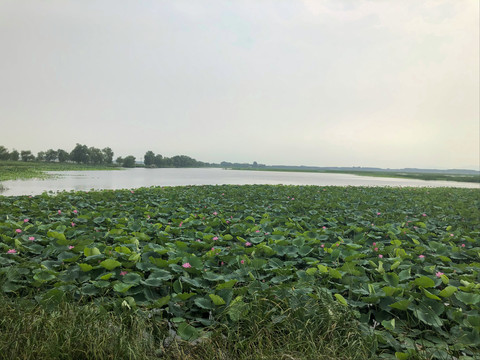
[81, 154]
[180, 161]
[243, 272]
[71, 330]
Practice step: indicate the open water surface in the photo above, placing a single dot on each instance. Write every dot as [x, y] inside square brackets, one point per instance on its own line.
[141, 177]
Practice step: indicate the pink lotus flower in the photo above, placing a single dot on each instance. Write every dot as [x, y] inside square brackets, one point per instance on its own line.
[380, 256]
[257, 231]
[25, 220]
[452, 235]
[222, 263]
[324, 227]
[198, 240]
[213, 249]
[187, 265]
[71, 247]
[73, 224]
[31, 238]
[421, 256]
[59, 212]
[181, 223]
[463, 245]
[133, 192]
[11, 251]
[248, 244]
[18, 231]
[424, 214]
[75, 211]
[439, 274]
[338, 244]
[379, 213]
[228, 222]
[293, 198]
[215, 238]
[123, 273]
[376, 249]
[215, 213]
[374, 244]
[322, 246]
[242, 261]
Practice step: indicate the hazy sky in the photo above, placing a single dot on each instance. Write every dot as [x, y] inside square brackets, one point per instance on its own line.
[328, 83]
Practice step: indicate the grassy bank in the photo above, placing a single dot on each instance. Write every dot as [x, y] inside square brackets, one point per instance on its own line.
[315, 329]
[386, 174]
[13, 170]
[242, 272]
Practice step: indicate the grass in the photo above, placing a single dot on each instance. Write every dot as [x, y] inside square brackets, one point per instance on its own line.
[72, 331]
[13, 170]
[307, 329]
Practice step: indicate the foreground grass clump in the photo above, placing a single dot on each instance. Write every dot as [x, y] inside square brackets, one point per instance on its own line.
[71, 331]
[315, 328]
[277, 271]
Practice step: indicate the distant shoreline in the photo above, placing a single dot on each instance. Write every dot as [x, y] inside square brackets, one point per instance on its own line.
[427, 176]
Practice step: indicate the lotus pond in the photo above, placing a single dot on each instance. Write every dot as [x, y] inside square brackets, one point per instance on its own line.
[405, 261]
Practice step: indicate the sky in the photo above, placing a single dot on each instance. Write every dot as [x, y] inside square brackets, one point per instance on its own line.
[379, 83]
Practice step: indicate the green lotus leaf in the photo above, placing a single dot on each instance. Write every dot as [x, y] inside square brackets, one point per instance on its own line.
[217, 300]
[424, 281]
[110, 264]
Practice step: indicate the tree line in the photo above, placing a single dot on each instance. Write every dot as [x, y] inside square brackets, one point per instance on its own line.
[83, 154]
[156, 160]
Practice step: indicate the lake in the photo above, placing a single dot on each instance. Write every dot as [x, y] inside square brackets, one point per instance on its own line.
[141, 177]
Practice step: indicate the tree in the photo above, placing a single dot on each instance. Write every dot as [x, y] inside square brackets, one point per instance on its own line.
[79, 154]
[107, 155]
[4, 155]
[62, 155]
[41, 156]
[183, 161]
[14, 155]
[27, 155]
[51, 155]
[95, 155]
[129, 162]
[158, 161]
[149, 158]
[119, 160]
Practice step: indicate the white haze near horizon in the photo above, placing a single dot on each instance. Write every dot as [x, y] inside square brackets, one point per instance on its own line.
[388, 84]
